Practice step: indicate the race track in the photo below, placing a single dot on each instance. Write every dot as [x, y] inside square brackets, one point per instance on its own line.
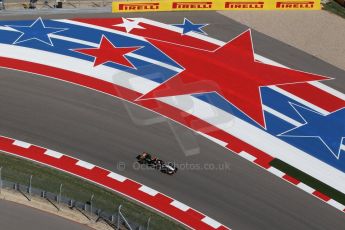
[96, 128]
[15, 216]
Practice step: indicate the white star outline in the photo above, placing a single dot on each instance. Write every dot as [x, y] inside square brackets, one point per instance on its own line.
[129, 25]
[99, 46]
[264, 126]
[336, 155]
[200, 28]
[34, 38]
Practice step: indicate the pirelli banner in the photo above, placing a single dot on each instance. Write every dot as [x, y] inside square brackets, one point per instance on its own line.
[191, 5]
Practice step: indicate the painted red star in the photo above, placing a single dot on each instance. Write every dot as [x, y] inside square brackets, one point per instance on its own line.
[108, 52]
[230, 71]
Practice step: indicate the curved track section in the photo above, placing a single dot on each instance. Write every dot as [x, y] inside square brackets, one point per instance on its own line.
[243, 197]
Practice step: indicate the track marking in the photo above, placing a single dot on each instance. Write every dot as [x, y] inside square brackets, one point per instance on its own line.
[276, 172]
[22, 144]
[148, 190]
[117, 177]
[53, 154]
[336, 204]
[85, 164]
[247, 156]
[305, 188]
[180, 205]
[211, 222]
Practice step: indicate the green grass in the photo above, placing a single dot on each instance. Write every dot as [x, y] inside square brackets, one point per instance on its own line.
[308, 180]
[19, 170]
[335, 8]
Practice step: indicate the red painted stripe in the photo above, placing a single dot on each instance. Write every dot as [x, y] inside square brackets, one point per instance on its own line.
[291, 179]
[100, 174]
[321, 196]
[315, 96]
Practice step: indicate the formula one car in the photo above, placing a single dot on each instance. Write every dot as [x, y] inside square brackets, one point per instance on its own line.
[154, 162]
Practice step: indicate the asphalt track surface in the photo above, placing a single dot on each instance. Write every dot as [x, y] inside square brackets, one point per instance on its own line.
[97, 128]
[15, 216]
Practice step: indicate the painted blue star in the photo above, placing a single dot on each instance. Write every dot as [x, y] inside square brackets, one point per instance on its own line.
[330, 129]
[36, 31]
[188, 26]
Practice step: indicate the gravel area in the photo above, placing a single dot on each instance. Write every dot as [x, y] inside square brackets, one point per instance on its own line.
[318, 33]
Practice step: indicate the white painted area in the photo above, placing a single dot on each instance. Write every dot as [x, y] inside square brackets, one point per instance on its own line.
[179, 205]
[53, 154]
[247, 156]
[222, 143]
[22, 144]
[209, 221]
[342, 147]
[328, 89]
[148, 190]
[85, 164]
[281, 116]
[267, 61]
[117, 177]
[306, 188]
[7, 28]
[336, 204]
[276, 172]
[74, 40]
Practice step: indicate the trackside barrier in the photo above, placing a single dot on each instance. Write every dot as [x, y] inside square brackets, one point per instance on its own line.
[53, 4]
[117, 220]
[192, 5]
